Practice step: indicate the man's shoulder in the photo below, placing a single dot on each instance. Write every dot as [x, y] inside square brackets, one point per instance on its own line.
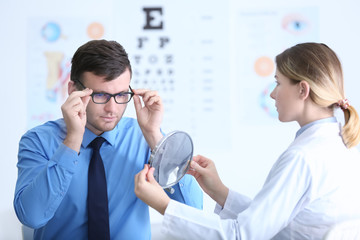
[55, 127]
[128, 123]
[128, 130]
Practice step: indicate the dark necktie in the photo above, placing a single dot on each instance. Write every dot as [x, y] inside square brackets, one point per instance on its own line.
[98, 210]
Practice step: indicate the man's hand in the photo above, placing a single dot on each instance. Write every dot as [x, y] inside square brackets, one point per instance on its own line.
[74, 113]
[149, 190]
[150, 115]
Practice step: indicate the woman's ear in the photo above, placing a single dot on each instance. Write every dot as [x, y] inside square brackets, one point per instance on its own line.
[304, 89]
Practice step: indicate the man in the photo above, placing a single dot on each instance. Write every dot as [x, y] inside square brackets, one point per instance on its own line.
[52, 188]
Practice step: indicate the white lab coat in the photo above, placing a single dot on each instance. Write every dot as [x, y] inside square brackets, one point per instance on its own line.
[314, 184]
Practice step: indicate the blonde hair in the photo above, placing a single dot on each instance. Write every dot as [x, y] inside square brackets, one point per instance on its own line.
[320, 67]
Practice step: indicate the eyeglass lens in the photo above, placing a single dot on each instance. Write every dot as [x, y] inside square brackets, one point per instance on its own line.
[105, 97]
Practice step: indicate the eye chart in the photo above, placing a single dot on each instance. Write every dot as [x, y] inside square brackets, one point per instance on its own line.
[181, 50]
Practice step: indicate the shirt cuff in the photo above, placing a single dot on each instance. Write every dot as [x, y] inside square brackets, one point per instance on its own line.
[234, 204]
[66, 157]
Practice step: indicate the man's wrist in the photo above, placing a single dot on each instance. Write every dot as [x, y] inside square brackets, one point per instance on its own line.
[153, 138]
[73, 142]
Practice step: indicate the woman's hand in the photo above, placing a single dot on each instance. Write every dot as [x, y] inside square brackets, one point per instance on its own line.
[149, 191]
[205, 173]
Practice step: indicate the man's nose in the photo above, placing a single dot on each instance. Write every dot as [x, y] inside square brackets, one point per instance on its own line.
[110, 105]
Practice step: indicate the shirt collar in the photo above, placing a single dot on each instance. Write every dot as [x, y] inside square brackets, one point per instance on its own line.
[325, 120]
[89, 136]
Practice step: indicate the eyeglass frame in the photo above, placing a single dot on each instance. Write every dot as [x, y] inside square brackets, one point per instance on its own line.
[109, 94]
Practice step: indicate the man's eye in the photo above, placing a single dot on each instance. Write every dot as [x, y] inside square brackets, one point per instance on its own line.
[121, 95]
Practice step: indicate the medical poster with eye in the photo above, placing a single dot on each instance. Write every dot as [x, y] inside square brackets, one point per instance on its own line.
[51, 45]
[260, 35]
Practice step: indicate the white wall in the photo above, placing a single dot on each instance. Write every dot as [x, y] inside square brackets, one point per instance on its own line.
[243, 166]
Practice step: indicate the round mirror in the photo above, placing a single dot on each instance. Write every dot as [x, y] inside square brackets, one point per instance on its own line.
[171, 158]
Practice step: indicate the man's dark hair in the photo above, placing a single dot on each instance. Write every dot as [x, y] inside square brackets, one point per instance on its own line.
[100, 57]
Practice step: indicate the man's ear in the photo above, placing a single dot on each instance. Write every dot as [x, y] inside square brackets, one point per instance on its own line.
[304, 89]
[71, 87]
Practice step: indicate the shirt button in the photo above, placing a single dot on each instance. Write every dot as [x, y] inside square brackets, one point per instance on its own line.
[181, 185]
[75, 162]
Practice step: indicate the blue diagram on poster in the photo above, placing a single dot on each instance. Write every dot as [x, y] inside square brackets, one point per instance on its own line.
[51, 46]
[257, 46]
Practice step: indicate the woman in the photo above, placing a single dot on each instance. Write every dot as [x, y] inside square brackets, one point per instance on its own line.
[314, 183]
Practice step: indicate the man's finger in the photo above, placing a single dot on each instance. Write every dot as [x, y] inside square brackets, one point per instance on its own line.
[140, 92]
[82, 93]
[146, 94]
[137, 103]
[86, 101]
[152, 100]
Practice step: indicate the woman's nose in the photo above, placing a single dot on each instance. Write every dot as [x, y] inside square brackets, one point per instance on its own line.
[272, 94]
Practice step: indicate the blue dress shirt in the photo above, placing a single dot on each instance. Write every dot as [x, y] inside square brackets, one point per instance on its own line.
[51, 189]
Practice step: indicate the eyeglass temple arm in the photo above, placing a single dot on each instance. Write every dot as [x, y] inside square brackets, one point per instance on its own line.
[131, 90]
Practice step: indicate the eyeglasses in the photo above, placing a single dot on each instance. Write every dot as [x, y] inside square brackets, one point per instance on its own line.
[102, 98]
